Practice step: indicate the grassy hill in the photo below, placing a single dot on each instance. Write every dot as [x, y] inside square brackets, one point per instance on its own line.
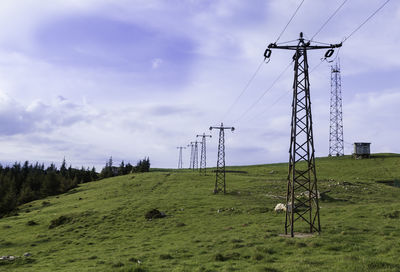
[100, 226]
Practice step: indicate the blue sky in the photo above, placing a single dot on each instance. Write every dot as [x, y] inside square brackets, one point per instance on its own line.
[89, 79]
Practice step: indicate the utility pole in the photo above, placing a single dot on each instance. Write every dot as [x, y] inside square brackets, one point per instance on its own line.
[195, 155]
[191, 155]
[302, 193]
[220, 172]
[336, 146]
[180, 163]
[203, 156]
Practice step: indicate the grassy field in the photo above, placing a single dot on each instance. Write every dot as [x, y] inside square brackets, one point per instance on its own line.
[100, 226]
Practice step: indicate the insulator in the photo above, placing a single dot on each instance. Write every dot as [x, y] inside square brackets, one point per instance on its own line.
[267, 53]
[329, 53]
[232, 129]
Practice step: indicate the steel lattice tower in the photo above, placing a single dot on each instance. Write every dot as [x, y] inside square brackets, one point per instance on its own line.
[220, 171]
[336, 146]
[191, 155]
[302, 193]
[203, 155]
[195, 155]
[180, 163]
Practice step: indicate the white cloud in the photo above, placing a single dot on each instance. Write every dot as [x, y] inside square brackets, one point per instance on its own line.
[109, 108]
[156, 63]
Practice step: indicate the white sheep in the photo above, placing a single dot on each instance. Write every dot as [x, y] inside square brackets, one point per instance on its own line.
[280, 207]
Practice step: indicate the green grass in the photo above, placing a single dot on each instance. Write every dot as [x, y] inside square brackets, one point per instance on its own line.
[100, 226]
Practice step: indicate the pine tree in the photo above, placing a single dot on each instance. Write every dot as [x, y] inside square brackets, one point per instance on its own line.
[63, 169]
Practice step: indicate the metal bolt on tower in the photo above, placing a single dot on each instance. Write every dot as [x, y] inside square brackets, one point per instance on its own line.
[302, 193]
[195, 155]
[336, 146]
[180, 163]
[203, 156]
[220, 172]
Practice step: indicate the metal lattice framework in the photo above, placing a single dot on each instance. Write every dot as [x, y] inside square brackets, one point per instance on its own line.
[302, 193]
[195, 159]
[220, 184]
[203, 155]
[336, 145]
[180, 163]
[191, 155]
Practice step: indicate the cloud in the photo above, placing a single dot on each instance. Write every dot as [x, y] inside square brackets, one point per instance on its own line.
[90, 79]
[156, 63]
[40, 117]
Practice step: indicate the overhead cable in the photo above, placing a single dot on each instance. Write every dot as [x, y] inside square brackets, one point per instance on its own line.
[366, 20]
[265, 92]
[327, 21]
[260, 65]
[244, 89]
[291, 18]
[282, 96]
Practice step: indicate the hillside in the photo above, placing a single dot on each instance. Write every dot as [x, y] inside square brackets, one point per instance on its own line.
[100, 226]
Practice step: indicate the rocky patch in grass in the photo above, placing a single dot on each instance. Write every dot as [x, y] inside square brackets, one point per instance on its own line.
[166, 257]
[31, 223]
[153, 214]
[59, 221]
[392, 215]
[9, 259]
[229, 256]
[393, 183]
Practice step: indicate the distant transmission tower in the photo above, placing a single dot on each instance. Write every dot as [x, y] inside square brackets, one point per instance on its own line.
[302, 193]
[220, 172]
[195, 155]
[180, 163]
[191, 155]
[336, 146]
[203, 156]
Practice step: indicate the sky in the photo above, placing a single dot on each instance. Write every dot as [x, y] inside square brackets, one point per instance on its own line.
[87, 80]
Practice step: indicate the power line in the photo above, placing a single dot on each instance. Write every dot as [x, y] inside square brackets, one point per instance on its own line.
[330, 17]
[291, 18]
[284, 94]
[316, 66]
[270, 106]
[265, 92]
[365, 21]
[260, 65]
[244, 89]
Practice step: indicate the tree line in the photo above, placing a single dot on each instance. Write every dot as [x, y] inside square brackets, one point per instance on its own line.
[22, 183]
[111, 171]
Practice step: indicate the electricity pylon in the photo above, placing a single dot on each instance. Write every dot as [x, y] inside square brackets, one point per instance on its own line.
[220, 171]
[336, 146]
[195, 159]
[203, 156]
[180, 163]
[191, 155]
[302, 193]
